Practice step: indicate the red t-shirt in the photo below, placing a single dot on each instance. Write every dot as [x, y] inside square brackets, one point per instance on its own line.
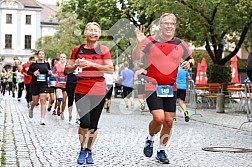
[97, 85]
[27, 78]
[163, 60]
[61, 80]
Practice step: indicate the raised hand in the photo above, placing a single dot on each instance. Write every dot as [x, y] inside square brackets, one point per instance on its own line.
[140, 34]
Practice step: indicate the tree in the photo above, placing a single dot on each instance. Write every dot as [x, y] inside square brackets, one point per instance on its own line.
[209, 23]
[212, 23]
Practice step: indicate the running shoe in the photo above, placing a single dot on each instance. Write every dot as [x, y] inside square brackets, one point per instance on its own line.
[70, 118]
[142, 106]
[58, 111]
[77, 121]
[42, 121]
[30, 113]
[54, 112]
[49, 108]
[82, 157]
[148, 148]
[62, 115]
[162, 157]
[187, 118]
[89, 158]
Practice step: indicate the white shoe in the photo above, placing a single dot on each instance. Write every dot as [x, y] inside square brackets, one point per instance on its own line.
[30, 113]
[42, 121]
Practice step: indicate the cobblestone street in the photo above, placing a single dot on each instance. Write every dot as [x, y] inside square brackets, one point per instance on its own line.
[120, 140]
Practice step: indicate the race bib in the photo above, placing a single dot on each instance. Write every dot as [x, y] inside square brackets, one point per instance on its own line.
[20, 79]
[164, 91]
[62, 80]
[41, 77]
[52, 83]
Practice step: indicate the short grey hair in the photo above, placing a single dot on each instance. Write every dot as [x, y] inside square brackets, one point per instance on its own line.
[92, 23]
[167, 14]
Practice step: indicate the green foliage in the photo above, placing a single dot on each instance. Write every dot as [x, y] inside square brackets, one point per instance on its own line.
[207, 22]
[202, 22]
[198, 55]
[218, 74]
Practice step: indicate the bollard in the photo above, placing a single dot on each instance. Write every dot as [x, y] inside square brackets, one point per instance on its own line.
[220, 103]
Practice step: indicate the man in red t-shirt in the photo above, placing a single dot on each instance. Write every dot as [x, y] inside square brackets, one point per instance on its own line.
[27, 79]
[163, 54]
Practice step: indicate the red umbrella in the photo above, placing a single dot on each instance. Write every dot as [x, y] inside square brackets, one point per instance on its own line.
[234, 69]
[204, 69]
[198, 81]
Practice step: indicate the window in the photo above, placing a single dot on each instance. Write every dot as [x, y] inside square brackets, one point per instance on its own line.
[8, 18]
[28, 19]
[8, 41]
[27, 41]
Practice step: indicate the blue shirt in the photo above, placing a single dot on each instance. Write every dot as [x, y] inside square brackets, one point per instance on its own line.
[128, 78]
[181, 78]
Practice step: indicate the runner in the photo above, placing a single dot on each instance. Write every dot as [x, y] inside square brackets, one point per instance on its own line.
[3, 81]
[51, 85]
[60, 87]
[163, 54]
[109, 79]
[27, 80]
[20, 81]
[127, 77]
[140, 77]
[93, 59]
[9, 80]
[182, 76]
[70, 88]
[39, 71]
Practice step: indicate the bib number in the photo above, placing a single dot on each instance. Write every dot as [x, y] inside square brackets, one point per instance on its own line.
[19, 79]
[164, 91]
[52, 83]
[41, 77]
[62, 80]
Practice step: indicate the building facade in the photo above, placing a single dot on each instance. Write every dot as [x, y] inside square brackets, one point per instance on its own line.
[22, 23]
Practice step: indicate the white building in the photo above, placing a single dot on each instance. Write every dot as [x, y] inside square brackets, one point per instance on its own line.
[22, 23]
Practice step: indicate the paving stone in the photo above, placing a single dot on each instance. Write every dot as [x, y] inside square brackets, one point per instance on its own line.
[121, 136]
